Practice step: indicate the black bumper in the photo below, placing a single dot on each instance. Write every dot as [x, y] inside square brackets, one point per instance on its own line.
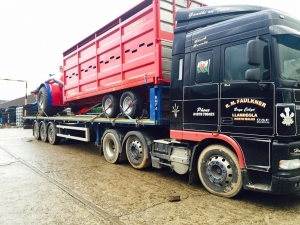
[277, 185]
[287, 181]
[287, 185]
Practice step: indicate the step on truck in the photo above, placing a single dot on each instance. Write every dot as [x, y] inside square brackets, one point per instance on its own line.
[208, 91]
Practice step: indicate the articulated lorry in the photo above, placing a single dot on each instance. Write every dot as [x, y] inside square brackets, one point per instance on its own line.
[208, 91]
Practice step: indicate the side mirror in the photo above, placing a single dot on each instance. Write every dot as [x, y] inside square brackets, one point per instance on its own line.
[253, 52]
[253, 75]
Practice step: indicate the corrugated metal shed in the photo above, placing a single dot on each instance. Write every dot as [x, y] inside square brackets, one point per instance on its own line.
[18, 102]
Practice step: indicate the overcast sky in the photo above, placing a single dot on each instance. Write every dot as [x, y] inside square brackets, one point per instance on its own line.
[35, 33]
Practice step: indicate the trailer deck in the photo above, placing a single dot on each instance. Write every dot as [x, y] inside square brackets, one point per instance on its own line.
[93, 119]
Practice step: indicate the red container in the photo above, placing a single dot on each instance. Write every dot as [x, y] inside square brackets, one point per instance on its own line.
[133, 50]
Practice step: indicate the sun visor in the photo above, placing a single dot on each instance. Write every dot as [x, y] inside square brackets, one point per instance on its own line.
[280, 29]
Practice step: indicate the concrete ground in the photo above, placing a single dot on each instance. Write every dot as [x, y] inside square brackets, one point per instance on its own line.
[71, 184]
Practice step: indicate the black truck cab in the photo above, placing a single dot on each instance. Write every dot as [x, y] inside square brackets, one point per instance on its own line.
[236, 72]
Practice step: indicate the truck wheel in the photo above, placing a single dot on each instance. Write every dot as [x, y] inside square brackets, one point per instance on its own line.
[52, 134]
[36, 130]
[111, 146]
[219, 171]
[137, 150]
[132, 104]
[110, 105]
[43, 107]
[43, 131]
[43, 102]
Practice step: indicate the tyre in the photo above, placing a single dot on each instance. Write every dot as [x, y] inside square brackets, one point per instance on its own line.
[111, 146]
[132, 104]
[219, 171]
[52, 134]
[137, 151]
[44, 109]
[43, 131]
[110, 105]
[36, 131]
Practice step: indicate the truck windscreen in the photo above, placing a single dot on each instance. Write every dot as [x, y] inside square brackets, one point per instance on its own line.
[289, 56]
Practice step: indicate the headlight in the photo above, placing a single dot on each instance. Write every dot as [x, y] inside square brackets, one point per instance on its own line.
[289, 164]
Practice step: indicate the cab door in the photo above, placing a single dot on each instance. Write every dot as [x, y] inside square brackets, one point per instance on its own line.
[201, 94]
[245, 107]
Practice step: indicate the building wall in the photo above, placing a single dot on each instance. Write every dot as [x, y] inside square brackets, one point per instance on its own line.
[18, 102]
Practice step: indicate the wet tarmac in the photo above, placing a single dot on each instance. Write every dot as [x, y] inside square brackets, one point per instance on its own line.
[72, 184]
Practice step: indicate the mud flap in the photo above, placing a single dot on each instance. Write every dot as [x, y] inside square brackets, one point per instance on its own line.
[193, 176]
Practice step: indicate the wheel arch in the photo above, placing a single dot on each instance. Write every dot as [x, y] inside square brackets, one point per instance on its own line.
[221, 140]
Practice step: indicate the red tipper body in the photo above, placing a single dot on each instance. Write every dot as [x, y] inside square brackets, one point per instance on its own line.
[134, 50]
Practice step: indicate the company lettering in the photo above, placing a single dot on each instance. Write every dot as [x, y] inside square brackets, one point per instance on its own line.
[247, 109]
[203, 112]
[262, 120]
[200, 41]
[246, 100]
[203, 43]
[244, 116]
[204, 12]
[137, 23]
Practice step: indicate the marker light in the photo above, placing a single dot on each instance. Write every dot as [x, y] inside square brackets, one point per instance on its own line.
[289, 164]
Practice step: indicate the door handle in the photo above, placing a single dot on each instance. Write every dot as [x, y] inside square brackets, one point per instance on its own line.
[227, 120]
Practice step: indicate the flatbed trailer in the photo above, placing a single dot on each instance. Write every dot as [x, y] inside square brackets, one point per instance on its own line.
[110, 133]
[87, 122]
[91, 126]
